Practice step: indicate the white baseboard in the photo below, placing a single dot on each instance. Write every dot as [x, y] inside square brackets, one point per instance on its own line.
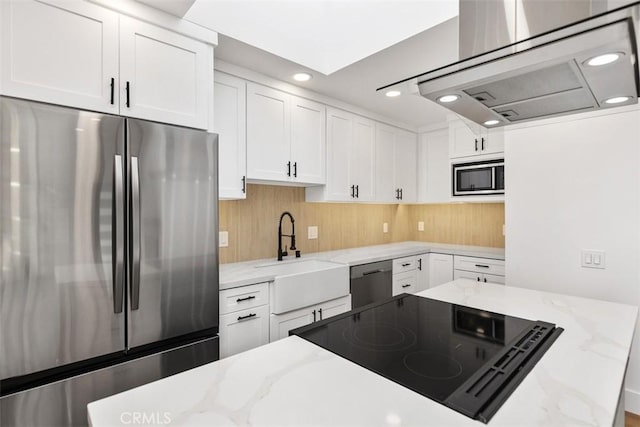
[632, 401]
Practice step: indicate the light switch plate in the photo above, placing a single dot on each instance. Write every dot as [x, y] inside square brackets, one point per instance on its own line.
[385, 227]
[312, 232]
[593, 259]
[420, 225]
[223, 239]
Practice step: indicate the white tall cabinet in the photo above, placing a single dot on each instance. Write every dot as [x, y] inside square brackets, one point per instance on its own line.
[230, 125]
[285, 137]
[82, 55]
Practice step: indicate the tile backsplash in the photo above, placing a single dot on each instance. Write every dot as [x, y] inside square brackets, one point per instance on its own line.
[252, 224]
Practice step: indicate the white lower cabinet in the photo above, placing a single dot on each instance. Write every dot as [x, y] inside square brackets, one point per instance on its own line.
[281, 324]
[244, 318]
[483, 270]
[440, 269]
[243, 330]
[404, 283]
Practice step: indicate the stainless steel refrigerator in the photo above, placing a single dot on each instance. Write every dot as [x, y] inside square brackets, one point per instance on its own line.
[108, 229]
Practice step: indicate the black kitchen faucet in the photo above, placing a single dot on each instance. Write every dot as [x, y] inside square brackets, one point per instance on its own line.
[292, 235]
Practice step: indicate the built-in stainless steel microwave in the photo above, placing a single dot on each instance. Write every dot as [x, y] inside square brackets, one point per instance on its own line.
[478, 178]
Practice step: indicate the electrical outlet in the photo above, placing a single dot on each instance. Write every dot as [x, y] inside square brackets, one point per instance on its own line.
[385, 227]
[420, 225]
[223, 239]
[312, 232]
[593, 259]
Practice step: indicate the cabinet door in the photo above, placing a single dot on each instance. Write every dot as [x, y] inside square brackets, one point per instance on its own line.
[462, 140]
[339, 136]
[422, 275]
[440, 269]
[471, 275]
[386, 187]
[362, 159]
[169, 75]
[434, 174]
[244, 330]
[492, 278]
[493, 141]
[406, 165]
[334, 307]
[404, 283]
[268, 134]
[281, 324]
[60, 52]
[230, 124]
[308, 141]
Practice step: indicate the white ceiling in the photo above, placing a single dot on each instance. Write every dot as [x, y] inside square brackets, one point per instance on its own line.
[357, 83]
[322, 35]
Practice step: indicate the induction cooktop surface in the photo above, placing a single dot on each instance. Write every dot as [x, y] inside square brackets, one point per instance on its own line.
[468, 359]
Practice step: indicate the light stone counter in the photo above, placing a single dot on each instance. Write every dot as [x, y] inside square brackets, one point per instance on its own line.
[246, 273]
[292, 382]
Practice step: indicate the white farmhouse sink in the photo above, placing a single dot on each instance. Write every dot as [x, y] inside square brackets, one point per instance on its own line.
[303, 283]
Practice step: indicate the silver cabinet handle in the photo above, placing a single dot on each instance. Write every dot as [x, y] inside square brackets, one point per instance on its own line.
[118, 230]
[135, 233]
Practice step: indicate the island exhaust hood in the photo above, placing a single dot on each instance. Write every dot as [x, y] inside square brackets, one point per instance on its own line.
[588, 65]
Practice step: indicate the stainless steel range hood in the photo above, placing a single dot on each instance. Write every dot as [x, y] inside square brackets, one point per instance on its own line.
[548, 75]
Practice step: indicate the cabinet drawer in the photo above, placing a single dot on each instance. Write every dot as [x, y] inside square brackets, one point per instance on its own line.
[404, 282]
[404, 264]
[480, 265]
[243, 330]
[244, 297]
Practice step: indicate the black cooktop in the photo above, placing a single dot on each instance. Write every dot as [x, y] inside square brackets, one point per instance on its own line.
[468, 359]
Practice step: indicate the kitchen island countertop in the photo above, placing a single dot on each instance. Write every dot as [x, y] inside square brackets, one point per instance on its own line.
[293, 382]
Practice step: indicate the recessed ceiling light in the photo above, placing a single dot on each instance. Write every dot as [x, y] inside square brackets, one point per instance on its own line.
[605, 59]
[302, 77]
[617, 100]
[393, 93]
[448, 98]
[491, 122]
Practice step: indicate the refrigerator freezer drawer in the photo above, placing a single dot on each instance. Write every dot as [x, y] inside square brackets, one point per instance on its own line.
[65, 402]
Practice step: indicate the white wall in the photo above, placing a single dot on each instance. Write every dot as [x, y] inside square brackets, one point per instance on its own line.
[570, 186]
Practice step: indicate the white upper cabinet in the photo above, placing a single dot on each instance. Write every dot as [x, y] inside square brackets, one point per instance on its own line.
[164, 76]
[395, 165]
[465, 142]
[60, 52]
[434, 174]
[285, 137]
[362, 159]
[79, 54]
[350, 159]
[308, 140]
[230, 125]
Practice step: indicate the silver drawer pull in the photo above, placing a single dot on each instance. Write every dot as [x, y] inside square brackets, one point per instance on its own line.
[248, 316]
[482, 265]
[245, 298]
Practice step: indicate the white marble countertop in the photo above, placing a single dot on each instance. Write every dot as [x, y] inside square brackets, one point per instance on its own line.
[293, 382]
[245, 273]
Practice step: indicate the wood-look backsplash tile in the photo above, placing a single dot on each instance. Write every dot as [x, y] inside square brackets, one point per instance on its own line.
[252, 224]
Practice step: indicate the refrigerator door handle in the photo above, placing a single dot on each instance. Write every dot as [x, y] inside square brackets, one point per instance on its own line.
[135, 232]
[118, 230]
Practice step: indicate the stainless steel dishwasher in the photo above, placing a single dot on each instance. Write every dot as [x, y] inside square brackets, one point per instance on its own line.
[371, 283]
